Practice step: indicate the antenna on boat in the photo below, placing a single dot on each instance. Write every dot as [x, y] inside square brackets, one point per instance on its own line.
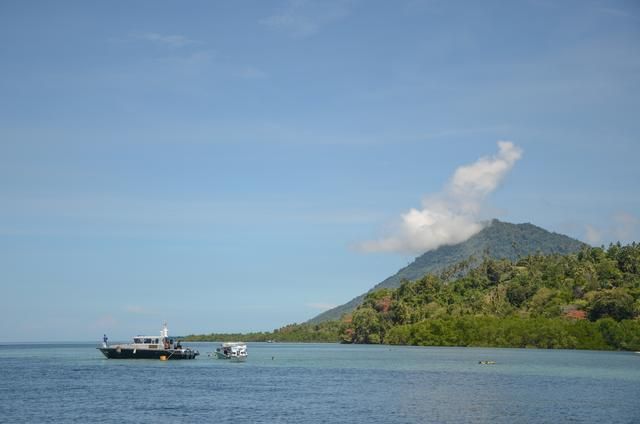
[165, 331]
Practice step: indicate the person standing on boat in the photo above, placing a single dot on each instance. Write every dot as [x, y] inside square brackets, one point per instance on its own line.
[104, 340]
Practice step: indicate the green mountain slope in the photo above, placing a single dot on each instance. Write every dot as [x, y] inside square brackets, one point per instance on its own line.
[499, 240]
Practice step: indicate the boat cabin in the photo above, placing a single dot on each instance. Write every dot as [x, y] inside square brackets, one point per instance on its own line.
[155, 342]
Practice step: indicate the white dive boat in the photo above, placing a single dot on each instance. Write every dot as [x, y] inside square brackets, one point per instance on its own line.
[236, 351]
[149, 347]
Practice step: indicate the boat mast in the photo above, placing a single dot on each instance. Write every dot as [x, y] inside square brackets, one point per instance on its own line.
[165, 331]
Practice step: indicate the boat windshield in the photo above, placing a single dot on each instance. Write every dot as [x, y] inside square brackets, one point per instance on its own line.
[145, 340]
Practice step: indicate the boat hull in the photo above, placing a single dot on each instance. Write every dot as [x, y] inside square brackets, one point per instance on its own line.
[129, 353]
[220, 355]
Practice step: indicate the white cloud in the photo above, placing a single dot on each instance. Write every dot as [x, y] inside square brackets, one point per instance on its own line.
[138, 310]
[171, 41]
[455, 214]
[593, 235]
[302, 18]
[250, 72]
[105, 321]
[623, 227]
[189, 63]
[619, 13]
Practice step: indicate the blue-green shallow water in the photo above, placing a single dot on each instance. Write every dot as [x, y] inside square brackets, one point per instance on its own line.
[320, 383]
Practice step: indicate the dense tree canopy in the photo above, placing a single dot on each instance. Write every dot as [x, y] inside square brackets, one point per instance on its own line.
[535, 301]
[587, 300]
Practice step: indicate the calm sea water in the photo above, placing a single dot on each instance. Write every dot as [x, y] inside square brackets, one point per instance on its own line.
[320, 383]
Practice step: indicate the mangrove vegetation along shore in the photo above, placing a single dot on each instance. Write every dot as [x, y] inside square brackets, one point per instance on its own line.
[587, 300]
[327, 332]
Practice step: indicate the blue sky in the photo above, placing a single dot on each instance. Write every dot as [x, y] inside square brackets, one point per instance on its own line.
[219, 165]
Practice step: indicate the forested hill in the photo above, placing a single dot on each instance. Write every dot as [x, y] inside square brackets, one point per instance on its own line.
[499, 240]
[588, 300]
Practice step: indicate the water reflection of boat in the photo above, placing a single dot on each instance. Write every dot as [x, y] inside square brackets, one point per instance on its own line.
[149, 347]
[235, 351]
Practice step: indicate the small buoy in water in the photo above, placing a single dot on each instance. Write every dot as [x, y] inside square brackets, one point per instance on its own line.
[163, 357]
[272, 358]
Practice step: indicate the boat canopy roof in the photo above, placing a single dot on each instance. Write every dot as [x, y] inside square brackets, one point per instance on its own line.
[151, 337]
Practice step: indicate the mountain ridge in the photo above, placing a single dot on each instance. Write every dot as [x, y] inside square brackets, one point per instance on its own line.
[499, 240]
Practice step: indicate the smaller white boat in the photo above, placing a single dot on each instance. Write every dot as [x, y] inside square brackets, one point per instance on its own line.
[235, 351]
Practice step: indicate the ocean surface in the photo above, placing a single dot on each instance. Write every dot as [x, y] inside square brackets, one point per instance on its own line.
[320, 383]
